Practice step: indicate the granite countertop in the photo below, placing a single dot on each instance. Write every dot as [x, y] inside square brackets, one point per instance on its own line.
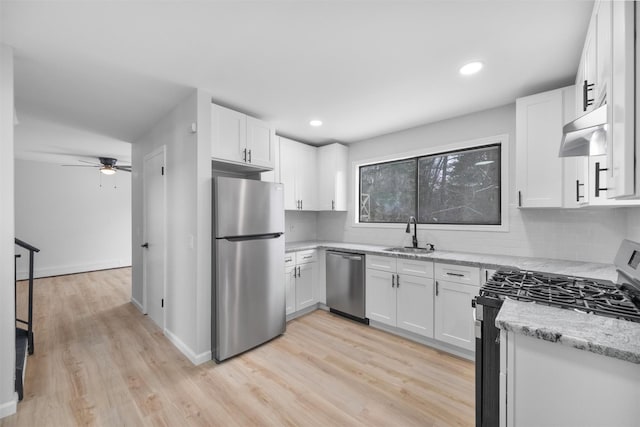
[597, 334]
[554, 266]
[602, 335]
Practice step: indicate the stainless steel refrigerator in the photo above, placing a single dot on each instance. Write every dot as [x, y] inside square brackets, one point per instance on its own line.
[248, 295]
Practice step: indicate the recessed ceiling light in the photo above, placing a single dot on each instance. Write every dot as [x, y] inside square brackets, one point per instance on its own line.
[315, 123]
[471, 68]
[484, 162]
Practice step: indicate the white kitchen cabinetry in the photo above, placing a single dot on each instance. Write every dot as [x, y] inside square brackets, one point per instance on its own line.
[298, 174]
[332, 177]
[594, 192]
[400, 293]
[539, 170]
[543, 383]
[606, 75]
[240, 139]
[456, 286]
[301, 275]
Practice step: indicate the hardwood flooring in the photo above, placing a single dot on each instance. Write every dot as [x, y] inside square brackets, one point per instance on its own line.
[98, 361]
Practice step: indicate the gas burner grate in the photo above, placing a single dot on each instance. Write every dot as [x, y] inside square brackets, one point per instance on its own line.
[585, 295]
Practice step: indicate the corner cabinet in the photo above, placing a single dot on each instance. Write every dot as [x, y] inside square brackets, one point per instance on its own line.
[242, 140]
[332, 177]
[539, 170]
[456, 286]
[298, 174]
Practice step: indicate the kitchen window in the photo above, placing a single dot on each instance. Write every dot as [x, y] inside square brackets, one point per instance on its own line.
[455, 187]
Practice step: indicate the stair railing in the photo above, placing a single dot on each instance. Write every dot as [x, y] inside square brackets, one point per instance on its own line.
[29, 322]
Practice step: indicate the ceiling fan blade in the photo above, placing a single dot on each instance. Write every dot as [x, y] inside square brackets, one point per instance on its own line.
[91, 163]
[82, 166]
[124, 168]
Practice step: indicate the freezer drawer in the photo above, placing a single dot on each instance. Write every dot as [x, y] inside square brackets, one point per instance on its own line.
[345, 283]
[249, 301]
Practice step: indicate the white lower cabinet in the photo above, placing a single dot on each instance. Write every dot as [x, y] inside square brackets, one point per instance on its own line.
[545, 383]
[301, 276]
[398, 299]
[456, 286]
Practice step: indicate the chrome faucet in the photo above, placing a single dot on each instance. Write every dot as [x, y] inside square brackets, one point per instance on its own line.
[415, 230]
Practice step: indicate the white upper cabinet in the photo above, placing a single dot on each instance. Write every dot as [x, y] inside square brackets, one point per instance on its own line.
[539, 170]
[240, 139]
[621, 137]
[332, 177]
[298, 174]
[606, 75]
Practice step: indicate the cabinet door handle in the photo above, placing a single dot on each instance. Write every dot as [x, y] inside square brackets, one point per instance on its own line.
[295, 272]
[437, 286]
[397, 280]
[333, 205]
[586, 101]
[598, 170]
[249, 156]
[393, 280]
[519, 198]
[244, 155]
[307, 257]
[300, 204]
[578, 185]
[299, 272]
[455, 274]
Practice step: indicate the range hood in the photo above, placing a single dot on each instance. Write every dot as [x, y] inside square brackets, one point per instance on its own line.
[586, 135]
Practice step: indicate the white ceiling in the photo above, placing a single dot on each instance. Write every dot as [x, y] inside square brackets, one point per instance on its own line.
[365, 68]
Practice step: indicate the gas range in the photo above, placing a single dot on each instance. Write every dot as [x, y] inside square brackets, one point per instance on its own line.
[619, 300]
[581, 294]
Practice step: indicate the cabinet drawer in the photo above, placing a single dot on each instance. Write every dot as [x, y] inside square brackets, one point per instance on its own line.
[304, 257]
[289, 259]
[415, 267]
[458, 274]
[383, 263]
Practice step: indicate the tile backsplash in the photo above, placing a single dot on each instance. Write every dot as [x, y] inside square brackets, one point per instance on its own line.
[591, 235]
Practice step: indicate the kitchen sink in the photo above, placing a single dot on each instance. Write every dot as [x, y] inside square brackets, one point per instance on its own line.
[410, 250]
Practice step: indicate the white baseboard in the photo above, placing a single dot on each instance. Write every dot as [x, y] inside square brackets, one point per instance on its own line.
[40, 272]
[137, 305]
[196, 359]
[9, 408]
[460, 352]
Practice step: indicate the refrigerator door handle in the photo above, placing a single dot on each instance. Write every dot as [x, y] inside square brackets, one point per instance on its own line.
[254, 237]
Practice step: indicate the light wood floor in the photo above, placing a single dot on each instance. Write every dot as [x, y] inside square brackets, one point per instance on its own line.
[98, 361]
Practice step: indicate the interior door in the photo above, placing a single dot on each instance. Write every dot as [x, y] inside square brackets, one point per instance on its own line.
[154, 232]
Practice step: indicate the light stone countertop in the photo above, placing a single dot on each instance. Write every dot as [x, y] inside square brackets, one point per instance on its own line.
[597, 334]
[554, 266]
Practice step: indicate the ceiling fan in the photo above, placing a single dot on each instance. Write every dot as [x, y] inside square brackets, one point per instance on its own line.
[107, 165]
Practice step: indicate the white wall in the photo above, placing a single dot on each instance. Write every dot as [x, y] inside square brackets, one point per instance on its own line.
[633, 224]
[300, 226]
[8, 397]
[79, 218]
[585, 235]
[188, 178]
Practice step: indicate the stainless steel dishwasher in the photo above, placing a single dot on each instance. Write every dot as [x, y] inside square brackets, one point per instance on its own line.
[345, 284]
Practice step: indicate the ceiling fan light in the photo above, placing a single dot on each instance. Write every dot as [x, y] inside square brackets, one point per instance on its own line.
[107, 170]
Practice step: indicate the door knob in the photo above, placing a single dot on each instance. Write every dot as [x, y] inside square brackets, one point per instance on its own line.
[146, 245]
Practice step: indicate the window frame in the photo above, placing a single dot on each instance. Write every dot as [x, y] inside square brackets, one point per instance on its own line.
[501, 140]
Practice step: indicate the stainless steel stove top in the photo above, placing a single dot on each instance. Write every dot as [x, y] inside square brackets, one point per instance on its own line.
[578, 293]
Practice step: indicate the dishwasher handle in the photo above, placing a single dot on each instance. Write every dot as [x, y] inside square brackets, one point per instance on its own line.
[346, 255]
